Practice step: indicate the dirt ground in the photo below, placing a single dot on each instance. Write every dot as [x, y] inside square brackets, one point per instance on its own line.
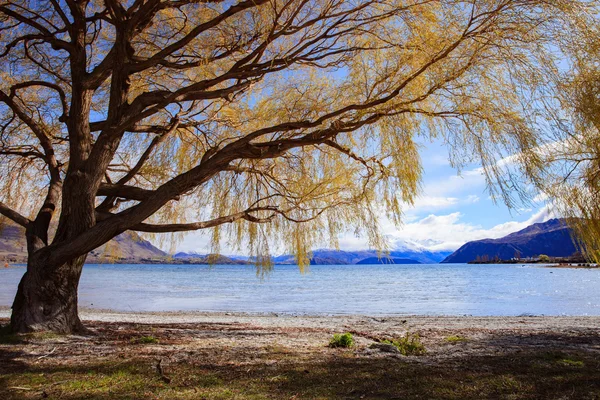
[240, 356]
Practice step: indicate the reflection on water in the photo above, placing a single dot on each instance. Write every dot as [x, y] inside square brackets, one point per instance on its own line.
[438, 289]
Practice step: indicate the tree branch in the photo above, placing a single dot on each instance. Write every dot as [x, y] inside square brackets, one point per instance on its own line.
[47, 35]
[57, 88]
[37, 130]
[124, 191]
[161, 55]
[13, 215]
[194, 226]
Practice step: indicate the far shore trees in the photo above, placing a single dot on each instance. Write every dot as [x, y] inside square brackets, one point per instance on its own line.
[257, 119]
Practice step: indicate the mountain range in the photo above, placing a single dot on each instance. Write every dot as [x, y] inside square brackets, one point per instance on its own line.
[552, 238]
[127, 247]
[341, 257]
[198, 258]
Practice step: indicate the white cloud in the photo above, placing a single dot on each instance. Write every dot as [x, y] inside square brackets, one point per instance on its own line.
[454, 185]
[434, 232]
[524, 210]
[195, 242]
[448, 232]
[436, 203]
[433, 202]
[472, 199]
[540, 198]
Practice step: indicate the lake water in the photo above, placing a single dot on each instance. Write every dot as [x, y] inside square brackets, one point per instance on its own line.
[437, 289]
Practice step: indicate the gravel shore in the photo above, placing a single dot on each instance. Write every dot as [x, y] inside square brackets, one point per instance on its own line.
[408, 322]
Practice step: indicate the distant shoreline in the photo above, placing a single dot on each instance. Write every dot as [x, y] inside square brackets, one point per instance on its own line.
[575, 265]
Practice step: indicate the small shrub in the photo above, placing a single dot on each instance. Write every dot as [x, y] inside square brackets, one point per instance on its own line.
[409, 345]
[145, 340]
[342, 340]
[456, 339]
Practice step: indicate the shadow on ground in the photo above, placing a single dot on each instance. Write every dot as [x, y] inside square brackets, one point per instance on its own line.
[544, 366]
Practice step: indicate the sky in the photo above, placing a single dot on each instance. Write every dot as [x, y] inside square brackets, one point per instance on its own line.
[452, 209]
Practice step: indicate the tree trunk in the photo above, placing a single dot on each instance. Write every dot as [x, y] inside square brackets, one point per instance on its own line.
[46, 299]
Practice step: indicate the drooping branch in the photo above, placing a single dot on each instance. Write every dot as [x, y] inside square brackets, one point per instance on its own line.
[144, 157]
[109, 202]
[37, 129]
[50, 204]
[244, 149]
[53, 86]
[194, 226]
[194, 33]
[45, 33]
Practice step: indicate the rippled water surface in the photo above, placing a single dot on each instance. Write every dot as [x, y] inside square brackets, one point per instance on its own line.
[438, 289]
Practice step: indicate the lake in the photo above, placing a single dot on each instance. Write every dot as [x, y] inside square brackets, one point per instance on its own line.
[436, 289]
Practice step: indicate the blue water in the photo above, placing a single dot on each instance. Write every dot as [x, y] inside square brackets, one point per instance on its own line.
[439, 289]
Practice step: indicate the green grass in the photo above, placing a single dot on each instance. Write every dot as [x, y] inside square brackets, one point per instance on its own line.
[342, 340]
[409, 344]
[145, 340]
[7, 337]
[524, 376]
[456, 339]
[572, 363]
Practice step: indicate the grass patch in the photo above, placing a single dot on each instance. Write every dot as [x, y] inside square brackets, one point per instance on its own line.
[8, 337]
[563, 359]
[145, 340]
[493, 377]
[126, 378]
[572, 363]
[43, 335]
[409, 344]
[456, 339]
[342, 340]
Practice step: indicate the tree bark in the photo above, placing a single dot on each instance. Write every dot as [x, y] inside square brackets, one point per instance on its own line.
[46, 299]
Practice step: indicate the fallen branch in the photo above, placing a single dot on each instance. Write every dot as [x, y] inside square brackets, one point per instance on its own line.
[46, 355]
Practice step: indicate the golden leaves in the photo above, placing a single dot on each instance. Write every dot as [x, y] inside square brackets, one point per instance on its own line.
[345, 88]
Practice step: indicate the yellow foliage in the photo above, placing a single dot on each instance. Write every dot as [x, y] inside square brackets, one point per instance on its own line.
[316, 106]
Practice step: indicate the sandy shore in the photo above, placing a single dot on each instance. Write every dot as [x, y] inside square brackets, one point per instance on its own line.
[484, 335]
[392, 323]
[274, 320]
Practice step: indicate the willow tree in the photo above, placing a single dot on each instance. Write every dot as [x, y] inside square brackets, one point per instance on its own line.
[259, 119]
[571, 176]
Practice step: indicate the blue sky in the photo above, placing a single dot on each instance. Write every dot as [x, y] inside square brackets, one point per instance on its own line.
[454, 209]
[451, 210]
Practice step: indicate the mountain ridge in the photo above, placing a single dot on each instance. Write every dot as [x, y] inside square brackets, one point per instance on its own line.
[345, 257]
[126, 247]
[553, 238]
